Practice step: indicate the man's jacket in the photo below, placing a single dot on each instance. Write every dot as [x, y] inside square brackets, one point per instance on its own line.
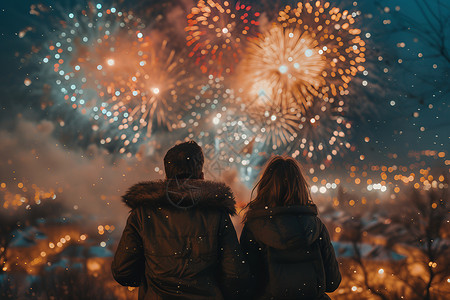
[179, 242]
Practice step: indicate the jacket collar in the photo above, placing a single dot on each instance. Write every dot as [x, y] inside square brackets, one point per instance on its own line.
[181, 194]
[293, 209]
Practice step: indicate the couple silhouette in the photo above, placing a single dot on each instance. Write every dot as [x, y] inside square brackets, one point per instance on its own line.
[180, 243]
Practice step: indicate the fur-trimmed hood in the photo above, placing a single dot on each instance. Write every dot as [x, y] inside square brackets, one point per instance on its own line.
[181, 194]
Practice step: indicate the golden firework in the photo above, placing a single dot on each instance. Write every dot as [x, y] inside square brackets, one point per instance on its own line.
[312, 52]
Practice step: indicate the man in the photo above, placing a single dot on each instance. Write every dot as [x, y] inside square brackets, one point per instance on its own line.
[179, 242]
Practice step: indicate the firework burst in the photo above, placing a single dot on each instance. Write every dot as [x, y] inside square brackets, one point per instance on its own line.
[276, 125]
[216, 31]
[105, 65]
[312, 52]
[153, 94]
[80, 55]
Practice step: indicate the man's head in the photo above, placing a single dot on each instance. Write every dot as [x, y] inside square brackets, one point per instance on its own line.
[184, 160]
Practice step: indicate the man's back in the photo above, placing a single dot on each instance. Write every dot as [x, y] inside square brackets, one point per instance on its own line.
[182, 233]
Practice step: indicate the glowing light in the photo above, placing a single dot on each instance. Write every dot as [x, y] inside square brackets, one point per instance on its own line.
[283, 69]
[111, 62]
[298, 78]
[93, 265]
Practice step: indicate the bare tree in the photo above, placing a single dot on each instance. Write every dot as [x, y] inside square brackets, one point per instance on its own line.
[417, 226]
[427, 22]
[425, 220]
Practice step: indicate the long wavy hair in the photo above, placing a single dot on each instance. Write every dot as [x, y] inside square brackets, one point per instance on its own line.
[281, 184]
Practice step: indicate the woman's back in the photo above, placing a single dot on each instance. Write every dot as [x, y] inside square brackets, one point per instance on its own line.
[287, 246]
[290, 253]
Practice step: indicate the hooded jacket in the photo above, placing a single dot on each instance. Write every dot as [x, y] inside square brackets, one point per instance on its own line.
[290, 254]
[179, 242]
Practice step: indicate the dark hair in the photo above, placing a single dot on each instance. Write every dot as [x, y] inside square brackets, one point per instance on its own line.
[281, 184]
[184, 160]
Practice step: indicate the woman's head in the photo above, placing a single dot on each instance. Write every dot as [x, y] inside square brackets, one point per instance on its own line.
[281, 184]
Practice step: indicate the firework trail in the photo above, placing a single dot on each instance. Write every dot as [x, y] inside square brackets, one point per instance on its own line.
[312, 52]
[216, 31]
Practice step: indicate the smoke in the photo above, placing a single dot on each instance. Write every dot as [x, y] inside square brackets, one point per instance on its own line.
[177, 18]
[90, 180]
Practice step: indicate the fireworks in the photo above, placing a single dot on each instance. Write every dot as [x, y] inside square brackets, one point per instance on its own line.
[293, 76]
[313, 137]
[323, 132]
[109, 69]
[313, 52]
[85, 56]
[216, 30]
[285, 97]
[220, 126]
[277, 125]
[282, 62]
[153, 92]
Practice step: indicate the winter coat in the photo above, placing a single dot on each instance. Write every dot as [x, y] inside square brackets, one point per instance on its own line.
[290, 254]
[179, 242]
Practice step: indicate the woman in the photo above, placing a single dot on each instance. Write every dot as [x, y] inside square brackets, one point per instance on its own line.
[287, 246]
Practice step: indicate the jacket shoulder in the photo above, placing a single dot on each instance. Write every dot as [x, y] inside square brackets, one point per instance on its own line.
[186, 194]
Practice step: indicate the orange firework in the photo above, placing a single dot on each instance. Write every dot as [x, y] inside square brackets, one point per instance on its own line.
[312, 52]
[216, 30]
[150, 96]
